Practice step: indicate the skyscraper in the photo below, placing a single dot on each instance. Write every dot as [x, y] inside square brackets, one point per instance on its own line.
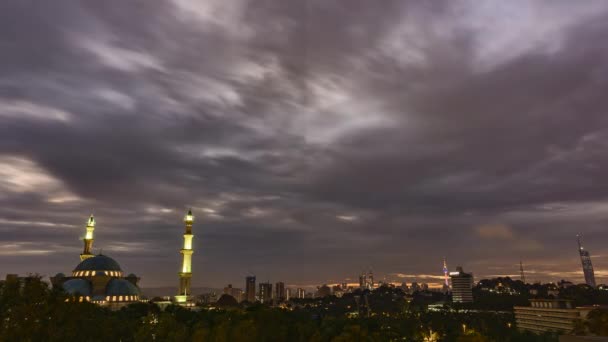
[586, 262]
[362, 280]
[265, 293]
[462, 286]
[250, 289]
[279, 291]
[300, 293]
[88, 239]
[521, 272]
[185, 276]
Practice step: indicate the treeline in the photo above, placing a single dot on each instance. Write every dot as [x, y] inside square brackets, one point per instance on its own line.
[31, 311]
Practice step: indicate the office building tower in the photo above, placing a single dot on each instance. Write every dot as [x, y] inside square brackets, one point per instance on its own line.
[279, 291]
[250, 289]
[462, 286]
[522, 275]
[265, 293]
[288, 293]
[300, 293]
[586, 263]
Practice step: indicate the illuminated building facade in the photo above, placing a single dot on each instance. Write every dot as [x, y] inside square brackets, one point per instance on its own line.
[185, 275]
[265, 294]
[586, 263]
[462, 286]
[250, 289]
[549, 315]
[98, 278]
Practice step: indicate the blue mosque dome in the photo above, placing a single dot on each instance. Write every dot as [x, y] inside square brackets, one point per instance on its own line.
[98, 263]
[77, 286]
[118, 287]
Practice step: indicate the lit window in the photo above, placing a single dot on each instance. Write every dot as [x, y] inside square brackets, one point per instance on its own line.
[93, 273]
[80, 299]
[120, 298]
[108, 298]
[86, 274]
[88, 298]
[113, 298]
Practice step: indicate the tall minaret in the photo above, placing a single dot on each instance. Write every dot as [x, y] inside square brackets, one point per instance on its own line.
[185, 275]
[88, 239]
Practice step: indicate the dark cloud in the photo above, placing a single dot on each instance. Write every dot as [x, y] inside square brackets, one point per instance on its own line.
[313, 139]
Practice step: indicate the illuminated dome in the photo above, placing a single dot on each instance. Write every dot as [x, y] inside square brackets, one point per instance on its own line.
[77, 286]
[98, 263]
[121, 287]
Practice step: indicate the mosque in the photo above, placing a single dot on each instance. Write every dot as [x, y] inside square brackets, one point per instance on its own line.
[98, 278]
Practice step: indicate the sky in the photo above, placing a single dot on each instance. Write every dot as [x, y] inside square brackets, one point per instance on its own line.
[313, 140]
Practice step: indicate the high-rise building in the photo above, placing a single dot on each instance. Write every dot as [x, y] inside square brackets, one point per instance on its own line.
[234, 292]
[88, 239]
[521, 272]
[250, 289]
[288, 293]
[265, 294]
[323, 291]
[300, 293]
[279, 291]
[363, 280]
[185, 276]
[462, 286]
[586, 262]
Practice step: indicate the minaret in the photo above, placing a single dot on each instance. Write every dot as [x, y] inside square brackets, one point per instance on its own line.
[586, 262]
[185, 275]
[88, 239]
[521, 272]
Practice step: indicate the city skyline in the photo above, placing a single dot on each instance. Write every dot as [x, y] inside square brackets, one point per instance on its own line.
[312, 143]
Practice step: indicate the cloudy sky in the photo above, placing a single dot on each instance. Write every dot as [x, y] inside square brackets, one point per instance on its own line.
[312, 139]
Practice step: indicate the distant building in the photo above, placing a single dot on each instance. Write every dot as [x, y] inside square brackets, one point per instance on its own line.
[300, 293]
[362, 280]
[288, 293]
[545, 315]
[250, 289]
[462, 286]
[237, 294]
[279, 291]
[323, 291]
[415, 287]
[586, 263]
[265, 293]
